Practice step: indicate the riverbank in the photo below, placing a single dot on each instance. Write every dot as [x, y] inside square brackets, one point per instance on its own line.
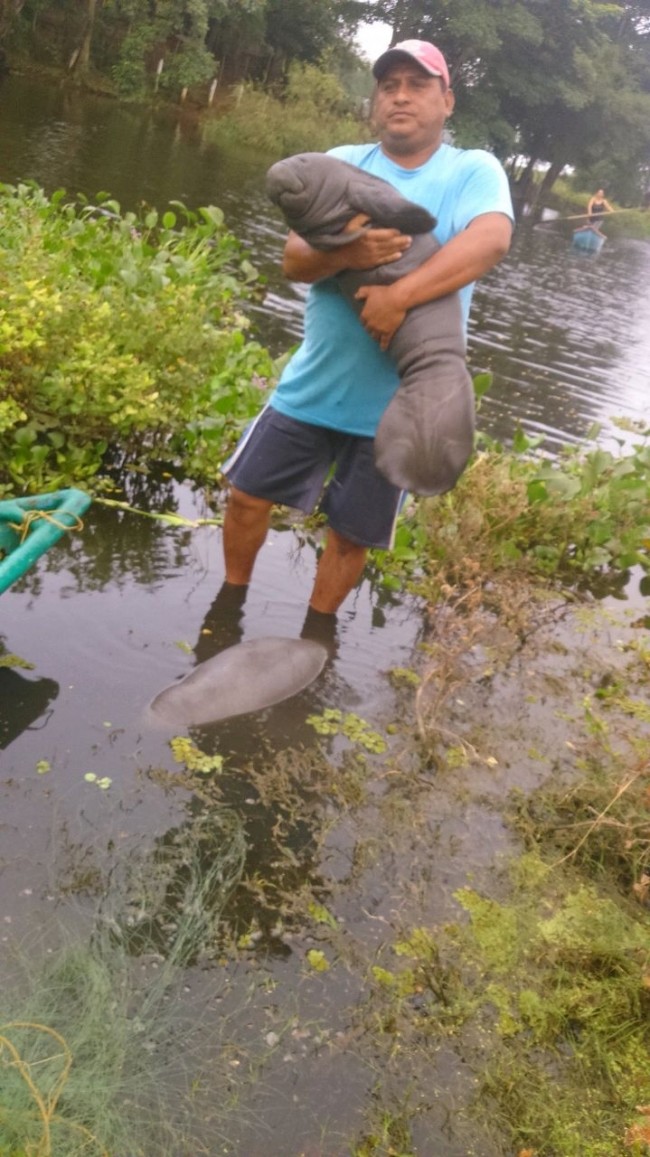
[314, 112]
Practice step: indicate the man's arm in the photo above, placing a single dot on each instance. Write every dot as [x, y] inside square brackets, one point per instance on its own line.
[375, 247]
[463, 259]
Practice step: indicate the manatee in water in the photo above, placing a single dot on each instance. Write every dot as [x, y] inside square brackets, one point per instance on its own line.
[243, 678]
[426, 434]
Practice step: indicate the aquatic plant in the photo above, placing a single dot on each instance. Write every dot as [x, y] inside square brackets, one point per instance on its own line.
[119, 329]
[513, 514]
[333, 721]
[601, 822]
[44, 1089]
[542, 983]
[96, 1053]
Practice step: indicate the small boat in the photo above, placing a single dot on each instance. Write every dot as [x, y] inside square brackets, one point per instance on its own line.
[30, 526]
[588, 240]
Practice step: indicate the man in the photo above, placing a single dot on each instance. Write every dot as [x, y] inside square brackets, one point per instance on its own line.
[330, 398]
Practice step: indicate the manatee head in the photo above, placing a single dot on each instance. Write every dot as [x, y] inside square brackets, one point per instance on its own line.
[319, 195]
[284, 182]
[311, 193]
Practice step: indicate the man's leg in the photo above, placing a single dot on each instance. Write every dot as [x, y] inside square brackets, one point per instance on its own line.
[363, 505]
[245, 526]
[339, 569]
[278, 457]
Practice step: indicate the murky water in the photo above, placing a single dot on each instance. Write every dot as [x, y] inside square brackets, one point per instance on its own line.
[125, 608]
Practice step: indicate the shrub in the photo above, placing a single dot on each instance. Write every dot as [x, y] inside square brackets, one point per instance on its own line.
[117, 329]
[314, 114]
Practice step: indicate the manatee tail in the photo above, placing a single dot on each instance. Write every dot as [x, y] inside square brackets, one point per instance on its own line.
[426, 434]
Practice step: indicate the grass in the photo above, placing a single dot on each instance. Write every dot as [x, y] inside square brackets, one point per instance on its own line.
[74, 1062]
[542, 982]
[258, 120]
[96, 1055]
[516, 525]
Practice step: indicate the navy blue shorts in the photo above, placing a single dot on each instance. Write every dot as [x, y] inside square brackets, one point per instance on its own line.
[313, 467]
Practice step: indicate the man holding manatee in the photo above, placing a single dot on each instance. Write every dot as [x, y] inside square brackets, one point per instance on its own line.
[312, 445]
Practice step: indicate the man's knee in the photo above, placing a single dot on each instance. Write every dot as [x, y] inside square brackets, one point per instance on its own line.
[343, 546]
[246, 508]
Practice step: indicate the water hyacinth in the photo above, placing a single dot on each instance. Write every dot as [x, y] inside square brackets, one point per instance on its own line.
[120, 329]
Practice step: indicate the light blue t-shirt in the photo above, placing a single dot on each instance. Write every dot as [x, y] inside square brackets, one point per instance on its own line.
[339, 377]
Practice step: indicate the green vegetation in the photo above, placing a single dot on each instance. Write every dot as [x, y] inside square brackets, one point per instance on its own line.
[313, 113]
[123, 335]
[141, 51]
[549, 991]
[514, 517]
[118, 330]
[98, 1050]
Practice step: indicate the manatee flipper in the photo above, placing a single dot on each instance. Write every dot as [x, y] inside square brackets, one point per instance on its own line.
[426, 434]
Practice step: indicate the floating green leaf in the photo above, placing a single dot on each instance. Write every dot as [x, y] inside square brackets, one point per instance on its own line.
[317, 960]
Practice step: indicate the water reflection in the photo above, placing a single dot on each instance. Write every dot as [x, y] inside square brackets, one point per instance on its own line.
[24, 701]
[564, 337]
[64, 138]
[223, 625]
[268, 731]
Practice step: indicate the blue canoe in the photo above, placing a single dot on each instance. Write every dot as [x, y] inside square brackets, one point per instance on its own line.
[587, 240]
[30, 526]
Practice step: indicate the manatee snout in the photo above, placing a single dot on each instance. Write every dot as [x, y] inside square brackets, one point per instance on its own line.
[284, 182]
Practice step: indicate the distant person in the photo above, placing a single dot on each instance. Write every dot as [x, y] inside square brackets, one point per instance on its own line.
[596, 209]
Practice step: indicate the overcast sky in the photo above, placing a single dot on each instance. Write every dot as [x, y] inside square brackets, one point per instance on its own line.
[373, 39]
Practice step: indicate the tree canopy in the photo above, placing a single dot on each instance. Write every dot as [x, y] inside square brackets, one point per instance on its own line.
[543, 83]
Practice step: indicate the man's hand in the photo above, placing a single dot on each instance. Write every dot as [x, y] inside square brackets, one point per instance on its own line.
[463, 259]
[374, 246]
[382, 314]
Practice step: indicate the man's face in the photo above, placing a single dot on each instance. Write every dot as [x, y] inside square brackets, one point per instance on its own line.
[410, 109]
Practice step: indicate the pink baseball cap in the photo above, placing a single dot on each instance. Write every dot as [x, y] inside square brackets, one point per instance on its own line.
[422, 52]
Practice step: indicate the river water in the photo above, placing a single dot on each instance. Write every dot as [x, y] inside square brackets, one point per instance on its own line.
[122, 610]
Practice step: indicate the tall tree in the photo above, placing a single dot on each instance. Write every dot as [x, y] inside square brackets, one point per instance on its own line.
[306, 32]
[554, 82]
